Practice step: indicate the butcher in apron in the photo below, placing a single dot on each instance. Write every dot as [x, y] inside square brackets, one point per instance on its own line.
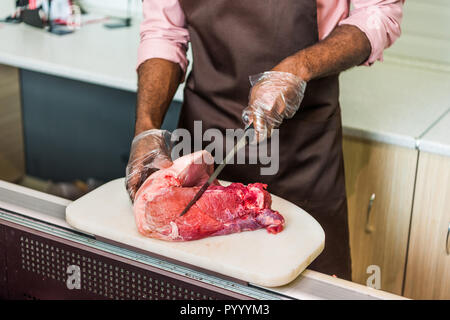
[232, 40]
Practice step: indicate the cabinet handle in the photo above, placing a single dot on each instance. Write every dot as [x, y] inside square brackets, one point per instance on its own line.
[447, 240]
[369, 228]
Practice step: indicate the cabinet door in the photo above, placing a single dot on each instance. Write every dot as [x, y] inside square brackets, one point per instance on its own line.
[12, 163]
[379, 232]
[428, 266]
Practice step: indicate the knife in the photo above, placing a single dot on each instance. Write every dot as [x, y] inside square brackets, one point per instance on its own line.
[239, 144]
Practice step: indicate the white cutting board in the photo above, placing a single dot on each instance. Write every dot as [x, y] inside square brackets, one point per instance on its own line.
[253, 256]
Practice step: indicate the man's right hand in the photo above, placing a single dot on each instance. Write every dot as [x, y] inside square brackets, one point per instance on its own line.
[150, 151]
[274, 96]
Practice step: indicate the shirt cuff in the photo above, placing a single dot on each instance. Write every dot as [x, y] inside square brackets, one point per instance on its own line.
[163, 49]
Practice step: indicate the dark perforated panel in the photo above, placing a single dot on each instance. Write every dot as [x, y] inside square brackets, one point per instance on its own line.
[39, 270]
[3, 283]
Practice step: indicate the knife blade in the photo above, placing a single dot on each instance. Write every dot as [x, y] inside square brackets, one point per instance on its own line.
[239, 144]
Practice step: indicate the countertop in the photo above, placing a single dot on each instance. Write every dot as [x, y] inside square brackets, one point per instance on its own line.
[394, 102]
[93, 53]
[43, 208]
[437, 139]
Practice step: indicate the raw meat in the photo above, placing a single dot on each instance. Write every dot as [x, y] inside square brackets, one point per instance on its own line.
[220, 211]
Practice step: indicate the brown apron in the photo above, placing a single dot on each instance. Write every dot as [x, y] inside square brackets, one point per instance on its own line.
[232, 39]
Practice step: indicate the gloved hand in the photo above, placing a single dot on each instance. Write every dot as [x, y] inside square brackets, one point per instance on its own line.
[274, 96]
[150, 151]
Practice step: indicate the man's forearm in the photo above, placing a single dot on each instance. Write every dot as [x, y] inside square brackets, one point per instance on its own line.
[158, 80]
[345, 47]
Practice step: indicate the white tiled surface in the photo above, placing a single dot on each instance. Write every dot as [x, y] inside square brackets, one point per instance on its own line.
[425, 31]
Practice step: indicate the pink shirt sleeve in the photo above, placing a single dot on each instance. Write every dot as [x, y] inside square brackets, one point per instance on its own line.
[379, 20]
[163, 32]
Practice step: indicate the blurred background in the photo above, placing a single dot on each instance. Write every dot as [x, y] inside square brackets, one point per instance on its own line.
[67, 109]
[68, 93]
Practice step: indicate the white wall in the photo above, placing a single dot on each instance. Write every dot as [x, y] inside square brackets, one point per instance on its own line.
[115, 7]
[425, 29]
[425, 33]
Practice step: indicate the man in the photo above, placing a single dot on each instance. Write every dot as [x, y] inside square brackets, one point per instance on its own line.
[295, 44]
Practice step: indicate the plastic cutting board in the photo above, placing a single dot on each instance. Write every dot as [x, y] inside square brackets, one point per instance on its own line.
[254, 256]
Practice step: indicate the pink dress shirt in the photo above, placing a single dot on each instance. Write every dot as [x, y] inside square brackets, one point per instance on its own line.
[164, 34]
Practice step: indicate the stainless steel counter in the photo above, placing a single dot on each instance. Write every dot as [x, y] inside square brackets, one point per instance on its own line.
[45, 214]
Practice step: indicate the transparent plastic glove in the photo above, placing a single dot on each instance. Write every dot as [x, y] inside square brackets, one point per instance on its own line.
[274, 96]
[150, 151]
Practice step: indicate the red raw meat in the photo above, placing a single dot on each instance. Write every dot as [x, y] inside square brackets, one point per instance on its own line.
[221, 210]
